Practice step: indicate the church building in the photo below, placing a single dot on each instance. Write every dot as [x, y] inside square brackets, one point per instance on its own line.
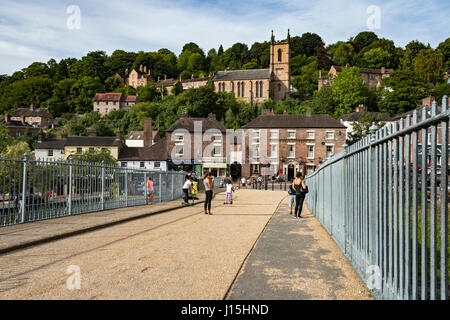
[258, 85]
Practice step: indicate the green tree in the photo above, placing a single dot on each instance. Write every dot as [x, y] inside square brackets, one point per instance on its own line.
[375, 58]
[343, 54]
[37, 69]
[306, 44]
[148, 93]
[306, 82]
[360, 128]
[364, 39]
[411, 51]
[102, 129]
[84, 91]
[347, 91]
[401, 92]
[95, 156]
[429, 65]
[16, 150]
[440, 90]
[323, 101]
[300, 61]
[120, 60]
[444, 48]
[22, 93]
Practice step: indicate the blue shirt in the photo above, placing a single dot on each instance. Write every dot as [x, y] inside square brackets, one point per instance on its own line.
[292, 191]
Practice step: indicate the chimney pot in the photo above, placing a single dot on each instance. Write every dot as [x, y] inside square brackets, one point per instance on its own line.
[308, 112]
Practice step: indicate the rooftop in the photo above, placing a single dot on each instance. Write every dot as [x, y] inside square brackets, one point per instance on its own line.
[294, 121]
[242, 74]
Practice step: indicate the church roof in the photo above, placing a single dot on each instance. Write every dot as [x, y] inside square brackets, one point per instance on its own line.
[252, 74]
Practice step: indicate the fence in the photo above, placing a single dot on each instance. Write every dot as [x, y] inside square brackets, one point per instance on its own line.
[32, 190]
[384, 200]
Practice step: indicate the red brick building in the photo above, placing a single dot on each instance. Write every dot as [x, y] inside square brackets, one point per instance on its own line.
[290, 143]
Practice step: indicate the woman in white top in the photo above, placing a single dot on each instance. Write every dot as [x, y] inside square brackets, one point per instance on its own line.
[228, 199]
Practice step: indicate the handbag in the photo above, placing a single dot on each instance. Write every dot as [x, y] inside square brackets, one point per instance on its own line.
[304, 190]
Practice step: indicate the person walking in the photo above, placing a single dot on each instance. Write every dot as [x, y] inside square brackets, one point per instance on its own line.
[194, 190]
[208, 182]
[150, 191]
[228, 199]
[300, 190]
[186, 187]
[292, 195]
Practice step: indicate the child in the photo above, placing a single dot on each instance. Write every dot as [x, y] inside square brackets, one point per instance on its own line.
[194, 190]
[230, 188]
[292, 193]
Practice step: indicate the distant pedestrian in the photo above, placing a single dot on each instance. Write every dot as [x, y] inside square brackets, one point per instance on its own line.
[208, 182]
[292, 196]
[300, 190]
[228, 198]
[243, 181]
[186, 187]
[150, 191]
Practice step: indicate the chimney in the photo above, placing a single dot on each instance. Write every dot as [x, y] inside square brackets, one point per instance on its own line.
[361, 108]
[145, 69]
[266, 112]
[211, 116]
[180, 77]
[158, 78]
[64, 135]
[41, 136]
[308, 112]
[148, 132]
[32, 106]
[183, 115]
[192, 76]
[7, 118]
[140, 68]
[92, 133]
[165, 77]
[383, 70]
[285, 112]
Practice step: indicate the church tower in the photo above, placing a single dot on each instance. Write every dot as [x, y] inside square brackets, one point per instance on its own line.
[280, 67]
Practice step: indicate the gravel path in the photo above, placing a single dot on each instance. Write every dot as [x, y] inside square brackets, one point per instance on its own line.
[182, 254]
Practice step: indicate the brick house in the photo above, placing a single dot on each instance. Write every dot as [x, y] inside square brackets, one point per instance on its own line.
[292, 143]
[181, 149]
[371, 77]
[107, 102]
[140, 77]
[32, 116]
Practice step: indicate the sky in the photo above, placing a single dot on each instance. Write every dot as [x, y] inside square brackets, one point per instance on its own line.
[33, 30]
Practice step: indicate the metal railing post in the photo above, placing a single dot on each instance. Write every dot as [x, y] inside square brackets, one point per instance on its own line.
[160, 187]
[126, 187]
[70, 189]
[145, 187]
[24, 188]
[102, 197]
[173, 194]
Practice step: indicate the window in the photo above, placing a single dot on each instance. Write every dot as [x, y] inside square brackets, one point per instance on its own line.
[279, 55]
[330, 135]
[256, 152]
[291, 151]
[239, 89]
[310, 152]
[179, 137]
[157, 164]
[274, 134]
[224, 87]
[50, 153]
[123, 164]
[279, 87]
[142, 164]
[310, 135]
[291, 134]
[279, 72]
[273, 150]
[257, 88]
[329, 151]
[242, 89]
[179, 150]
[98, 109]
[217, 138]
[217, 151]
[106, 110]
[103, 149]
[79, 150]
[255, 137]
[260, 89]
[91, 149]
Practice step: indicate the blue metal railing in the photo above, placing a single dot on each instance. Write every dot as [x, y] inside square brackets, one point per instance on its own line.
[384, 200]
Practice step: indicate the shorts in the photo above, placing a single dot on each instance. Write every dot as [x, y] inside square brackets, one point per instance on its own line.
[150, 191]
[291, 201]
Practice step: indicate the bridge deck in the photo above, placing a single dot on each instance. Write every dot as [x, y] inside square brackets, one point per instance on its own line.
[181, 254]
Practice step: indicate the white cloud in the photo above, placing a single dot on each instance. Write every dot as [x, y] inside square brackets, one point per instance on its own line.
[32, 32]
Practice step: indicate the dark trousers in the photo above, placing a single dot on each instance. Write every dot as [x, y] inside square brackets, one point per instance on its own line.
[299, 198]
[208, 200]
[186, 195]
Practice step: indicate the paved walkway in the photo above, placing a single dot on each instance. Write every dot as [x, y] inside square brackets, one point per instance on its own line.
[296, 259]
[183, 254]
